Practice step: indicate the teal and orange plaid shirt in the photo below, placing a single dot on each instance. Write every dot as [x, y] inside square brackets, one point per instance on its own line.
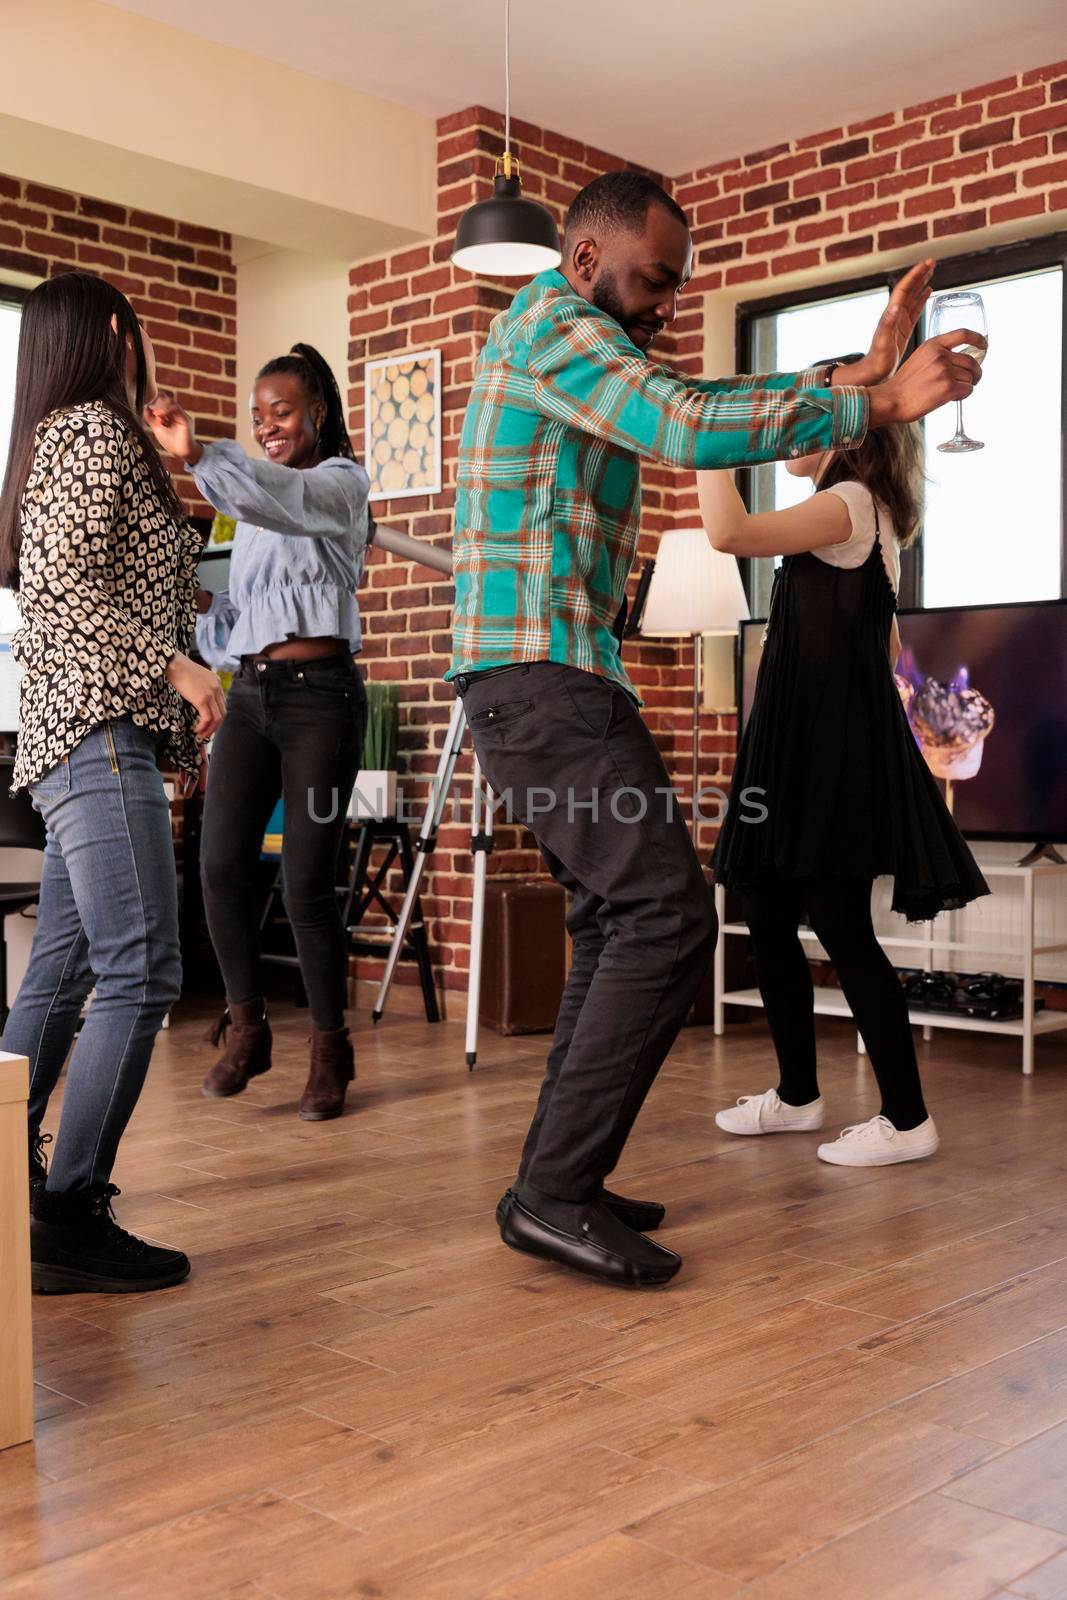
[563, 408]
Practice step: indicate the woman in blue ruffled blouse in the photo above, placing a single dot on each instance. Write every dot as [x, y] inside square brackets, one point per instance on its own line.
[296, 714]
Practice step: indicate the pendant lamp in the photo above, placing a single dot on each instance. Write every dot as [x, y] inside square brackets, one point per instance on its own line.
[507, 236]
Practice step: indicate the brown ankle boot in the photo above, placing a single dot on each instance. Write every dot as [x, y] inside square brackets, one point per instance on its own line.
[246, 1052]
[332, 1070]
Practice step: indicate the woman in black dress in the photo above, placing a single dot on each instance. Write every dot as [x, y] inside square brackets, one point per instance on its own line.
[829, 763]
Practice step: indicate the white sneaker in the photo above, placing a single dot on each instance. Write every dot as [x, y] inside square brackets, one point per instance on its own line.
[766, 1113]
[878, 1144]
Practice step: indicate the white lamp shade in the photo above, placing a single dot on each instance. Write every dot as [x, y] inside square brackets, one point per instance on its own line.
[507, 234]
[694, 588]
[506, 260]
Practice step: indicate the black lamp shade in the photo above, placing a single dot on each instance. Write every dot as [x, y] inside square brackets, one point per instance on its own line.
[507, 236]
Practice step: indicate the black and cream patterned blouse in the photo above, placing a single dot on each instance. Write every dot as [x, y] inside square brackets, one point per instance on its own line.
[107, 591]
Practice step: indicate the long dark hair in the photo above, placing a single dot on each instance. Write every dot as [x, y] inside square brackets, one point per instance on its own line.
[889, 463]
[316, 374]
[69, 354]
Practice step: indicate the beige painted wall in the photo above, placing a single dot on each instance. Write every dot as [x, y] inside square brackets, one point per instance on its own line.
[284, 296]
[141, 113]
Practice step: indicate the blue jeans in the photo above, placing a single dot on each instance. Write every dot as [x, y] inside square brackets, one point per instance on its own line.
[108, 916]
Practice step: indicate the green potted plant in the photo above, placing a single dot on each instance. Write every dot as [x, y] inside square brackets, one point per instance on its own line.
[374, 796]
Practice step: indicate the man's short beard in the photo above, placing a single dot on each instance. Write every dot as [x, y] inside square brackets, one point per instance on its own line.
[606, 297]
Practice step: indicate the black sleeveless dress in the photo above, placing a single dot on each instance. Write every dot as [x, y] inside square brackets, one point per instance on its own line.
[846, 789]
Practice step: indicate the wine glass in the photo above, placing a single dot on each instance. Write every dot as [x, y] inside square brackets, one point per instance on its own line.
[960, 308]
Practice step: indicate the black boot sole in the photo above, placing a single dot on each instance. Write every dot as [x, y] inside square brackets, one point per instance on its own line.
[48, 1279]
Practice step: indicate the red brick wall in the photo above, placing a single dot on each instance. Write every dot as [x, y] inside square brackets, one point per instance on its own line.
[179, 278]
[900, 180]
[905, 179]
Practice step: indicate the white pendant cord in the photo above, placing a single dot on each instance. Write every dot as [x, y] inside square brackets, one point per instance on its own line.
[490, 239]
[507, 76]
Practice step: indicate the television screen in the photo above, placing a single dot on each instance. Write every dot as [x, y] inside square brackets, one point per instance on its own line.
[985, 688]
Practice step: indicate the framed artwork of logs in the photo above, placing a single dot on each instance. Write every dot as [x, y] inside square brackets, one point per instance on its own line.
[403, 425]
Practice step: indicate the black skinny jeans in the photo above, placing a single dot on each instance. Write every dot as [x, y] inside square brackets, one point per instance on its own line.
[840, 914]
[295, 729]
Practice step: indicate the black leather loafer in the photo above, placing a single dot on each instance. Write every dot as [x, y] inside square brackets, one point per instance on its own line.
[643, 1216]
[600, 1246]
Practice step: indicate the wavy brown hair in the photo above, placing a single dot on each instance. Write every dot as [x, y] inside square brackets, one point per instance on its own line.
[890, 464]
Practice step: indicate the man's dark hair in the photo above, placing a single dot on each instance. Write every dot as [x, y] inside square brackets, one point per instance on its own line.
[619, 201]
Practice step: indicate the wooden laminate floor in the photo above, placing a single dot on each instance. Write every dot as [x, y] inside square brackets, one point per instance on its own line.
[857, 1387]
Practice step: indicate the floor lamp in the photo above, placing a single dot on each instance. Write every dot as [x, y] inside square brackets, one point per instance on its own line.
[697, 590]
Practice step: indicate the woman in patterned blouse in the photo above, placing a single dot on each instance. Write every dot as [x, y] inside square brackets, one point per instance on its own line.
[93, 537]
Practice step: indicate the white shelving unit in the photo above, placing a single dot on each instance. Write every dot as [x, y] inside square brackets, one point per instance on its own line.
[930, 942]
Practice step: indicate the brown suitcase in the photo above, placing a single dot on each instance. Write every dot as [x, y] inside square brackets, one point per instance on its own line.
[524, 956]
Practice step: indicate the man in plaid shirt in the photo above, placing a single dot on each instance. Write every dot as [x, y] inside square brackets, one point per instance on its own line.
[565, 404]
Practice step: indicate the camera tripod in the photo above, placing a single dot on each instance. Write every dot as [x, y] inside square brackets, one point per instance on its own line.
[409, 549]
[481, 849]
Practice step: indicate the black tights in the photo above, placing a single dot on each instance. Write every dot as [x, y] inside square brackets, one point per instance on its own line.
[840, 913]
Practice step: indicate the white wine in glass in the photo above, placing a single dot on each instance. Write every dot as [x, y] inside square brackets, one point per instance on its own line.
[960, 308]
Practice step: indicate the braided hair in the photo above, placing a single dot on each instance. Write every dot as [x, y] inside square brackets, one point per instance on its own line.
[315, 373]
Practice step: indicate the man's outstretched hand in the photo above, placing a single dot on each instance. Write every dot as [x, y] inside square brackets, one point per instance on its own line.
[895, 327]
[937, 372]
